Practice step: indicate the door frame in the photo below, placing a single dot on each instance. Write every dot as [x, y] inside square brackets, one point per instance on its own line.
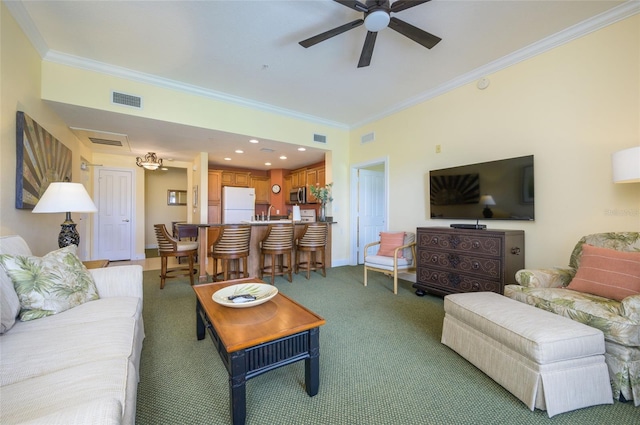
[96, 222]
[354, 196]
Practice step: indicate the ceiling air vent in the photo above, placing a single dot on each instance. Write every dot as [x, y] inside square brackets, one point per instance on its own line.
[126, 99]
[107, 142]
[320, 138]
[369, 137]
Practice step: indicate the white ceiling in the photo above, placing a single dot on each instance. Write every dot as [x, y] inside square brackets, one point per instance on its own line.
[248, 52]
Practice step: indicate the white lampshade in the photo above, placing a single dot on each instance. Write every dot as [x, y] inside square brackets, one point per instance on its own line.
[296, 213]
[65, 197]
[487, 200]
[626, 165]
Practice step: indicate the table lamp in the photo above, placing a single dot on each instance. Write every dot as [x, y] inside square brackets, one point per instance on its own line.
[487, 201]
[66, 197]
[626, 165]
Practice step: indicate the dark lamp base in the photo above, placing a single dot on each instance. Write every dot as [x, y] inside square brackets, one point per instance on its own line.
[68, 235]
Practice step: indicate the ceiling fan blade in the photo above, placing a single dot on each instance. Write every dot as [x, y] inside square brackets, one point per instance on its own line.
[353, 4]
[331, 33]
[405, 4]
[367, 49]
[414, 33]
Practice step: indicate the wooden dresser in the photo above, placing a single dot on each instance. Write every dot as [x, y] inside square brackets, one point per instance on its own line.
[462, 260]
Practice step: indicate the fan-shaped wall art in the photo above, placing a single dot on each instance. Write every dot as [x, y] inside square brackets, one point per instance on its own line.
[40, 160]
[455, 189]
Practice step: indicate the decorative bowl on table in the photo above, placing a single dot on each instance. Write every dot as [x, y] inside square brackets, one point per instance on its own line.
[243, 295]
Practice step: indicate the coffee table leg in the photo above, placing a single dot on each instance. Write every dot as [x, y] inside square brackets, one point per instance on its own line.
[312, 364]
[237, 389]
[200, 329]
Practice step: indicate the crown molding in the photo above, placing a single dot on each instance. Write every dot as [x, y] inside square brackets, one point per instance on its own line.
[595, 23]
[25, 22]
[609, 17]
[141, 77]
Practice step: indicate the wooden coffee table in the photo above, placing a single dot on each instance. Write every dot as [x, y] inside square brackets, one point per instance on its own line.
[254, 340]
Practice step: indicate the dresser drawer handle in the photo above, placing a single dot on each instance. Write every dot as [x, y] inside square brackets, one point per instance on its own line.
[476, 244]
[515, 251]
[475, 286]
[475, 265]
[434, 259]
[434, 241]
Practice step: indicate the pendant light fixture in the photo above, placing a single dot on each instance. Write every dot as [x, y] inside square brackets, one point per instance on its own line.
[150, 161]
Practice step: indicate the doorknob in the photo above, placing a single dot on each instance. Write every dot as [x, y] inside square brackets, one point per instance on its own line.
[126, 220]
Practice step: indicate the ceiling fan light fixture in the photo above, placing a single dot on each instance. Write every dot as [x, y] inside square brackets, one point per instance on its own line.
[377, 20]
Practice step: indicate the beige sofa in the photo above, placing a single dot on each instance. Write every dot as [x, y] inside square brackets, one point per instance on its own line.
[618, 320]
[79, 366]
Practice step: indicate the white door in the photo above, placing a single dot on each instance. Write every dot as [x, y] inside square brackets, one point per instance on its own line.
[115, 213]
[371, 209]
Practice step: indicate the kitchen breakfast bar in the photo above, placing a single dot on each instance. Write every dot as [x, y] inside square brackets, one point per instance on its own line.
[207, 234]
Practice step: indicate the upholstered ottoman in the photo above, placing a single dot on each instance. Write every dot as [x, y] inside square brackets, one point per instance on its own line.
[548, 361]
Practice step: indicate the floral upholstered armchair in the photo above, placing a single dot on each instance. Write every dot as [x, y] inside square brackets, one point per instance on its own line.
[575, 293]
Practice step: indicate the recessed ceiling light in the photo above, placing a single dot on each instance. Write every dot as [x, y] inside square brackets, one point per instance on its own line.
[253, 141]
[301, 149]
[239, 151]
[227, 159]
[283, 157]
[267, 163]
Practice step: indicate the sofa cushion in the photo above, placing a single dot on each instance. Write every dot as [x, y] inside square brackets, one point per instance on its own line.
[9, 303]
[608, 273]
[64, 391]
[50, 284]
[599, 312]
[26, 355]
[389, 241]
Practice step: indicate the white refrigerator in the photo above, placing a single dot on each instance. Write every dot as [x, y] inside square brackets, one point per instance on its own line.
[238, 204]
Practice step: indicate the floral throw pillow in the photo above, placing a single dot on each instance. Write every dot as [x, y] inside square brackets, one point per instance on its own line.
[50, 284]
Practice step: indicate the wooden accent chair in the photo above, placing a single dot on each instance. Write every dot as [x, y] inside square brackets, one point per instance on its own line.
[277, 243]
[170, 247]
[312, 242]
[231, 246]
[391, 260]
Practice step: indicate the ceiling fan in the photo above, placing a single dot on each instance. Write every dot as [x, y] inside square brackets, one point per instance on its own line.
[377, 17]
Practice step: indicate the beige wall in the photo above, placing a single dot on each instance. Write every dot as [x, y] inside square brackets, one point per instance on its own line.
[20, 90]
[156, 209]
[570, 107]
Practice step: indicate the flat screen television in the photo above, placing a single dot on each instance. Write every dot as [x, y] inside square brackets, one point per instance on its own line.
[495, 190]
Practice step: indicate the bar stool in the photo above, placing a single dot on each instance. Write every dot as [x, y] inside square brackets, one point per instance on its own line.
[277, 242]
[231, 246]
[170, 247]
[313, 240]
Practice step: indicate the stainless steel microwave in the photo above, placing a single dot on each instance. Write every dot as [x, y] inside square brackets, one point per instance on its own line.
[298, 195]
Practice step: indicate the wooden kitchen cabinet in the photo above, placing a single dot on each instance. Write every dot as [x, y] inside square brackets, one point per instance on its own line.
[262, 185]
[315, 176]
[286, 188]
[214, 203]
[466, 260]
[298, 178]
[235, 178]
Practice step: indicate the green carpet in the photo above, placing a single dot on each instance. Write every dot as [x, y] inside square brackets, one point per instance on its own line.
[151, 253]
[381, 362]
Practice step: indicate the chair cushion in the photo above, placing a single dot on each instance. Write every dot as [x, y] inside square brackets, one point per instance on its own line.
[389, 241]
[186, 246]
[51, 284]
[385, 262]
[608, 273]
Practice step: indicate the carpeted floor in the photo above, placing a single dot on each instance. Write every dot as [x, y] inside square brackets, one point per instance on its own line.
[381, 362]
[151, 253]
